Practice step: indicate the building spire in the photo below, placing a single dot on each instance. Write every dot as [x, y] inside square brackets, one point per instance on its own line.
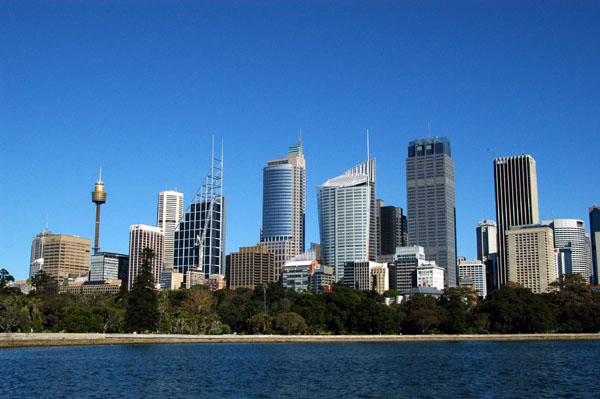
[100, 177]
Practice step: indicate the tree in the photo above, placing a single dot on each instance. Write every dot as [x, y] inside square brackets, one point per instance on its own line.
[44, 284]
[5, 278]
[290, 323]
[575, 306]
[142, 301]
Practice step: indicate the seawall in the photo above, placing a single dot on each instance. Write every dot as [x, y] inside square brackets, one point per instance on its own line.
[62, 339]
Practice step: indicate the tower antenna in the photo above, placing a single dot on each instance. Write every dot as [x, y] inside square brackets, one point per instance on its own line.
[300, 136]
[428, 131]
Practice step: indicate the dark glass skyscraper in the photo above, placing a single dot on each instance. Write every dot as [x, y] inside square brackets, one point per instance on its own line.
[595, 237]
[392, 230]
[431, 203]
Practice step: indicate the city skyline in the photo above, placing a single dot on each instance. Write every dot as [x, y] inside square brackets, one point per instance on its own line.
[487, 77]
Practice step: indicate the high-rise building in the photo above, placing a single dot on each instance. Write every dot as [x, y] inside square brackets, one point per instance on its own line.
[250, 267]
[431, 202]
[141, 237]
[347, 218]
[98, 198]
[106, 266]
[36, 261]
[284, 206]
[595, 238]
[487, 251]
[475, 272]
[515, 181]
[199, 240]
[403, 271]
[169, 213]
[530, 257]
[571, 233]
[392, 226]
[66, 256]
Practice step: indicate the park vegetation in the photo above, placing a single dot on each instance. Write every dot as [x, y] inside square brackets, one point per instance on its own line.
[270, 309]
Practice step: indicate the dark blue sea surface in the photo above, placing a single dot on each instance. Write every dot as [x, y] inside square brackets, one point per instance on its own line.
[535, 369]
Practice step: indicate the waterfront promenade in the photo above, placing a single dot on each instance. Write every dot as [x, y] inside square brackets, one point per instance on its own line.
[14, 340]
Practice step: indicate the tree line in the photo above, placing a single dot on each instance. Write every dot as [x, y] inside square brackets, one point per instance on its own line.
[271, 309]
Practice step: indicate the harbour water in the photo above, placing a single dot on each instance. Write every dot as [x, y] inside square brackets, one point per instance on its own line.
[532, 369]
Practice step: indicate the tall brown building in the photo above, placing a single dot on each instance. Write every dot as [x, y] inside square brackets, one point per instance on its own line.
[250, 267]
[66, 255]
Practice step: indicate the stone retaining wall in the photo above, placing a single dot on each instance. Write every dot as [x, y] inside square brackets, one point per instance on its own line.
[58, 339]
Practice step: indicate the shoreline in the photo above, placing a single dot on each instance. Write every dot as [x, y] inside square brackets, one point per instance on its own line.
[22, 340]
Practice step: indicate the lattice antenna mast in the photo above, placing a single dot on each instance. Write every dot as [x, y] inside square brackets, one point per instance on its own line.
[209, 193]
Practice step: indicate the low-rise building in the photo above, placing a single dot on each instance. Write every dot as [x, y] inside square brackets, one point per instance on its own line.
[171, 279]
[430, 275]
[80, 286]
[366, 276]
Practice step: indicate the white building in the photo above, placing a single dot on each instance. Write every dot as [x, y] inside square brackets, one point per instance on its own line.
[474, 270]
[430, 275]
[347, 218]
[169, 214]
[570, 233]
[141, 237]
[36, 261]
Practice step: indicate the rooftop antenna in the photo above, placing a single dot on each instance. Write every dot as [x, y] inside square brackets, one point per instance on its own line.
[300, 136]
[46, 222]
[428, 131]
[368, 160]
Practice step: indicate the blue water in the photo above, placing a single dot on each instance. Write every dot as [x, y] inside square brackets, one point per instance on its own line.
[554, 369]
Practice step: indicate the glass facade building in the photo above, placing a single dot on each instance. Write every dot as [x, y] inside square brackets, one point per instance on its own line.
[431, 202]
[595, 238]
[284, 206]
[348, 218]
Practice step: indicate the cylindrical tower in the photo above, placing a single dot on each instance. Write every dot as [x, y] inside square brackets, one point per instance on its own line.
[98, 198]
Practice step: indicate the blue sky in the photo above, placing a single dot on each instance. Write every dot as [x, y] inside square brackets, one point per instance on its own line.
[140, 88]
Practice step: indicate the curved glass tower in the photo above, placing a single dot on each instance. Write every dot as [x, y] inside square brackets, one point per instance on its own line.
[284, 206]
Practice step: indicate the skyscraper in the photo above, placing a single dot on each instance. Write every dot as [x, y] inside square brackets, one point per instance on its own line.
[169, 213]
[250, 267]
[66, 256]
[595, 238]
[199, 240]
[515, 181]
[392, 227]
[487, 251]
[431, 203]
[36, 261]
[284, 206]
[570, 233]
[347, 218]
[141, 237]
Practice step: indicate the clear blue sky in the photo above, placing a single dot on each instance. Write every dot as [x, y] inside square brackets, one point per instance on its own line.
[141, 87]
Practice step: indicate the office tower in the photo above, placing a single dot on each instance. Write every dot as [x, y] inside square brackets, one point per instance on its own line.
[141, 237]
[98, 198]
[431, 203]
[36, 261]
[515, 181]
[199, 240]
[563, 259]
[169, 213]
[106, 266]
[403, 271]
[595, 238]
[530, 257]
[487, 251]
[430, 275]
[570, 233]
[347, 218]
[284, 206]
[367, 276]
[392, 228]
[66, 256]
[475, 272]
[250, 267]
